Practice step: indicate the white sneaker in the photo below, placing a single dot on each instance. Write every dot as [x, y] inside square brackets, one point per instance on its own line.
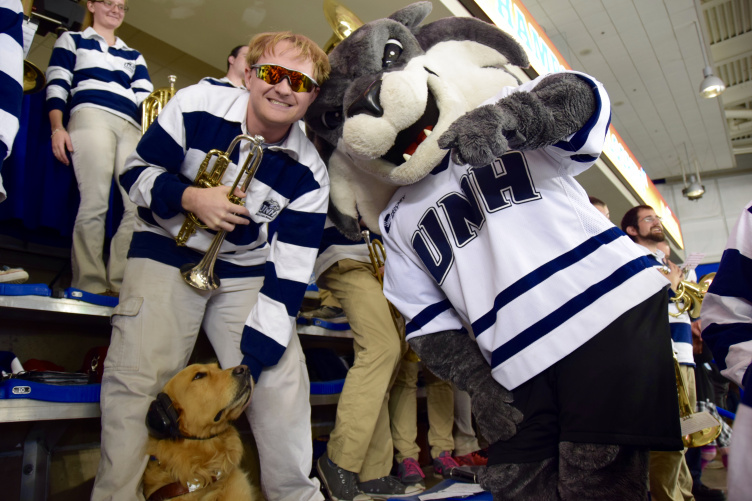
[13, 275]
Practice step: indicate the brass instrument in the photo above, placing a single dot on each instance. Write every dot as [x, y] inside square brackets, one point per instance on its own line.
[201, 275]
[341, 20]
[377, 253]
[33, 78]
[697, 428]
[154, 103]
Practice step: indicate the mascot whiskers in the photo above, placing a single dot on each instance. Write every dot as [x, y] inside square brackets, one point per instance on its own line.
[433, 141]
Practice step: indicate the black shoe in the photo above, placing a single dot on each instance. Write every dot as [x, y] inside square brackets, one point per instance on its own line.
[342, 485]
[387, 488]
[704, 493]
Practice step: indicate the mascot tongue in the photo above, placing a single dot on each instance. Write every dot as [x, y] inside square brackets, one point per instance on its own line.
[421, 137]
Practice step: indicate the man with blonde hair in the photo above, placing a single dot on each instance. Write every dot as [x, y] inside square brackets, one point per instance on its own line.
[250, 318]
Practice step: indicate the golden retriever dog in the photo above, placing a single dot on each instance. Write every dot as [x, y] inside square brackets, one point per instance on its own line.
[194, 450]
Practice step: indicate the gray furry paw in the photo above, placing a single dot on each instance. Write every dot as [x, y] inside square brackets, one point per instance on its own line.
[492, 406]
[481, 135]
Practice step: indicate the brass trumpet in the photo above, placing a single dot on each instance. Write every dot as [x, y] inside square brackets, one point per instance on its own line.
[688, 298]
[201, 275]
[377, 253]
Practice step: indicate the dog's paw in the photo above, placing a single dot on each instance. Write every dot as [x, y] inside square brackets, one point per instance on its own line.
[480, 136]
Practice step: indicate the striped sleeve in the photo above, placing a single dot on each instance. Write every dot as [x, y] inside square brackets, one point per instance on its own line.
[727, 307]
[580, 150]
[141, 83]
[294, 247]
[60, 72]
[11, 74]
[151, 176]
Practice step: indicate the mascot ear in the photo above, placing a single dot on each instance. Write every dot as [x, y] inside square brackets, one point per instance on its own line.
[162, 418]
[412, 15]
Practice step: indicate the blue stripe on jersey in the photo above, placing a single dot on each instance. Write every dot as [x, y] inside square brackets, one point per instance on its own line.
[203, 130]
[332, 236]
[584, 158]
[730, 283]
[296, 228]
[63, 58]
[289, 178]
[103, 75]
[12, 93]
[261, 351]
[722, 336]
[288, 292]
[11, 71]
[542, 273]
[568, 310]
[681, 332]
[157, 147]
[109, 100]
[424, 317]
[146, 244]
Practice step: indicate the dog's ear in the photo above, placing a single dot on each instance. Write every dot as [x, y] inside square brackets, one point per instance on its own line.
[162, 418]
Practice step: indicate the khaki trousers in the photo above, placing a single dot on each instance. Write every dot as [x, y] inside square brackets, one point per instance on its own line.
[101, 143]
[403, 410]
[154, 329]
[670, 479]
[361, 441]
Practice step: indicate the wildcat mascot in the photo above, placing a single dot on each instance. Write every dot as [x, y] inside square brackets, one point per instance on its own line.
[468, 174]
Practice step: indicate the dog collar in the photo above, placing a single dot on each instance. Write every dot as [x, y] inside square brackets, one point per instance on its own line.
[176, 489]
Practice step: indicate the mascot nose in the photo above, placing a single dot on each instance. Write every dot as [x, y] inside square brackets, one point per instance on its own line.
[368, 103]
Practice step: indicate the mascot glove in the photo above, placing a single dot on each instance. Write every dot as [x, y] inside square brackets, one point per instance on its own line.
[494, 414]
[480, 136]
[454, 356]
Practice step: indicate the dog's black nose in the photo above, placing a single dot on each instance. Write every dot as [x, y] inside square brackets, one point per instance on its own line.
[240, 370]
[368, 103]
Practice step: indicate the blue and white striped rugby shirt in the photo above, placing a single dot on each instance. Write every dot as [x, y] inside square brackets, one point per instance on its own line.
[291, 187]
[11, 76]
[727, 307]
[86, 71]
[516, 250]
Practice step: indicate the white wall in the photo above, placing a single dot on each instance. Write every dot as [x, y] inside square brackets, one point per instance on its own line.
[706, 222]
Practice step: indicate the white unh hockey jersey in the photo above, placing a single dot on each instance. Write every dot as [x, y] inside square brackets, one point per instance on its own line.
[516, 250]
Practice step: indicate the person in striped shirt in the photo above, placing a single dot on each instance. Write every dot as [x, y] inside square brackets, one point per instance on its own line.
[236, 65]
[11, 77]
[250, 318]
[101, 82]
[727, 329]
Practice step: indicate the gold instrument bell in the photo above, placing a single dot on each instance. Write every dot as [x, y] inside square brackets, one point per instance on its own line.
[33, 78]
[154, 103]
[342, 21]
[697, 428]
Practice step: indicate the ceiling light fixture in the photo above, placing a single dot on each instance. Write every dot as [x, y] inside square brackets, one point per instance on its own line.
[711, 86]
[695, 189]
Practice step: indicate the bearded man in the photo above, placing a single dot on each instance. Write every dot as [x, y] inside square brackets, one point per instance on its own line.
[670, 479]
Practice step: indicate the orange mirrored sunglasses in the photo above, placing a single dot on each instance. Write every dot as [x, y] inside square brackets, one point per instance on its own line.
[274, 73]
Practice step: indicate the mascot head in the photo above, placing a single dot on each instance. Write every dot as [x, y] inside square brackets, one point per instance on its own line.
[394, 88]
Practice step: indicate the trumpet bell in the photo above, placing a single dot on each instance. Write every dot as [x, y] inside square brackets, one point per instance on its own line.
[200, 277]
[699, 428]
[33, 78]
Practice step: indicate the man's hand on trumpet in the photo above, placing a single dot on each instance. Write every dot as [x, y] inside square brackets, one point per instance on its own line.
[673, 273]
[213, 208]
